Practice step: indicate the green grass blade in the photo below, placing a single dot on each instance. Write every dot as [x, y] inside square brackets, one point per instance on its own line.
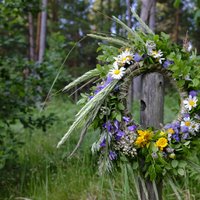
[144, 26]
[132, 32]
[174, 188]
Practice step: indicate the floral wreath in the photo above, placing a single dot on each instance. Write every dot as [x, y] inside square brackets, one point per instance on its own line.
[121, 138]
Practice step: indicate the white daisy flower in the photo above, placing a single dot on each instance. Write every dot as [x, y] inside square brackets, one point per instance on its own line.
[194, 127]
[116, 72]
[190, 102]
[156, 54]
[187, 122]
[125, 57]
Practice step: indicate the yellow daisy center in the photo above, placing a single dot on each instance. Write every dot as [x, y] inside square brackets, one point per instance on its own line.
[170, 130]
[191, 103]
[187, 123]
[116, 72]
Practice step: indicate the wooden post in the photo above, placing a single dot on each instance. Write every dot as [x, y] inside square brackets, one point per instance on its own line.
[152, 106]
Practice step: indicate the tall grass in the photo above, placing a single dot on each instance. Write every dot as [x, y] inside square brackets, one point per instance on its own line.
[46, 174]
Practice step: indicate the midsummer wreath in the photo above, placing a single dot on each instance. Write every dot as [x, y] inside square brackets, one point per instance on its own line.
[121, 138]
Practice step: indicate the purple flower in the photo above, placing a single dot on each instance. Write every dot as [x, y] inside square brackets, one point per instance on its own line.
[126, 119]
[185, 136]
[132, 128]
[103, 143]
[184, 129]
[167, 63]
[116, 125]
[102, 86]
[176, 137]
[186, 115]
[108, 126]
[112, 155]
[119, 134]
[137, 57]
[193, 93]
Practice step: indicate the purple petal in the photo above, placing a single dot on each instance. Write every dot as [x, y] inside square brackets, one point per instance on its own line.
[137, 57]
[103, 143]
[167, 63]
[116, 125]
[184, 129]
[193, 93]
[119, 135]
[112, 155]
[126, 119]
[132, 128]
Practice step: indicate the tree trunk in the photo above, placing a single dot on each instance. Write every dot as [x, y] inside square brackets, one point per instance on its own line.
[31, 37]
[38, 36]
[148, 12]
[152, 108]
[43, 31]
[128, 4]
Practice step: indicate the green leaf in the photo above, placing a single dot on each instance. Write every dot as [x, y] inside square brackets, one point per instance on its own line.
[174, 163]
[177, 3]
[121, 106]
[181, 171]
[119, 117]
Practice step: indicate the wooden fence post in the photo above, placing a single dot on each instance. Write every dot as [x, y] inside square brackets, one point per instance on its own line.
[152, 108]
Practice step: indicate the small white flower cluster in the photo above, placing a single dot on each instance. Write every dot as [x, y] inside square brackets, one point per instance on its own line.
[125, 144]
[118, 69]
[151, 51]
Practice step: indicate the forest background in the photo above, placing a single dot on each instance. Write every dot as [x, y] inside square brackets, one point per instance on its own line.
[35, 38]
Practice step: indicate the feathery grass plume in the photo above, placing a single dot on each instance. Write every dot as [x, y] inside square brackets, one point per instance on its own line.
[144, 26]
[132, 32]
[88, 75]
[111, 40]
[84, 130]
[85, 112]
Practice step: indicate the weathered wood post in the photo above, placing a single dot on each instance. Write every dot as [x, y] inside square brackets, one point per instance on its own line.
[152, 108]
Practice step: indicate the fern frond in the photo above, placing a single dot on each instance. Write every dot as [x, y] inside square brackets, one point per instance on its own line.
[88, 75]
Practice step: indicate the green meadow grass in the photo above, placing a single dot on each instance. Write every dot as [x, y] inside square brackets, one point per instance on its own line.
[45, 173]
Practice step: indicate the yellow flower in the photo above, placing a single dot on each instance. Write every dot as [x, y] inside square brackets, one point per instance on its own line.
[161, 143]
[170, 131]
[140, 141]
[144, 138]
